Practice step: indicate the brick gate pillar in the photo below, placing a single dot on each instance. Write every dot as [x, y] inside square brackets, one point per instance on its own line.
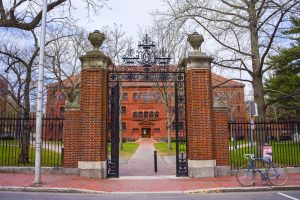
[93, 105]
[201, 162]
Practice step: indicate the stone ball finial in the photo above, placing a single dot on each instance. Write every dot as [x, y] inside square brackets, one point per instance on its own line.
[96, 38]
[195, 40]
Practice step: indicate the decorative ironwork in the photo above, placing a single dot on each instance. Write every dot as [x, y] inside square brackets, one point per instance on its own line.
[147, 64]
[147, 55]
[181, 130]
[113, 137]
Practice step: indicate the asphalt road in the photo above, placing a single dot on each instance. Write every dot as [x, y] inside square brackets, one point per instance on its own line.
[274, 195]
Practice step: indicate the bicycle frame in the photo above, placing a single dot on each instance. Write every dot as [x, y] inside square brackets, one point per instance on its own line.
[268, 162]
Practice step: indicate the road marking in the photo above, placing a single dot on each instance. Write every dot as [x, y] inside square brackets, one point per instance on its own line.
[287, 196]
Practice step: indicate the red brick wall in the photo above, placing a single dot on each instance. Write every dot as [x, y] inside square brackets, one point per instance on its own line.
[237, 94]
[72, 133]
[93, 116]
[220, 136]
[3, 95]
[55, 103]
[199, 114]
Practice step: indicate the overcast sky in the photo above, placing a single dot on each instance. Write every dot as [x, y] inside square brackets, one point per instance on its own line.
[131, 14]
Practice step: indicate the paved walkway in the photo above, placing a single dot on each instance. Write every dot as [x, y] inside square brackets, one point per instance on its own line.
[142, 162]
[128, 185]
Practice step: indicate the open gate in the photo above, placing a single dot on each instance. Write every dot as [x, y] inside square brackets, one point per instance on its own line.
[113, 135]
[147, 64]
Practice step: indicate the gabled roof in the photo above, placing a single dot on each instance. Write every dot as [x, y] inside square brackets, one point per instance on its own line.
[218, 80]
[68, 82]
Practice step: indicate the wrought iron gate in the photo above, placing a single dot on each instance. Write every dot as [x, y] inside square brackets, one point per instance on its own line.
[147, 64]
[180, 121]
[113, 135]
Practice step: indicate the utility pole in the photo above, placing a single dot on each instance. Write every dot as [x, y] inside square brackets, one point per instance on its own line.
[39, 107]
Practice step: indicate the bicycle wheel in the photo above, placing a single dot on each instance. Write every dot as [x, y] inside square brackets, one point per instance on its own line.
[278, 175]
[245, 176]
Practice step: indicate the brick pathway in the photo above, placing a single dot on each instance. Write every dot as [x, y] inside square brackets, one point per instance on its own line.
[142, 162]
[128, 185]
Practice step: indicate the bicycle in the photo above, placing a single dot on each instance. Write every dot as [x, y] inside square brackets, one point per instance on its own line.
[276, 175]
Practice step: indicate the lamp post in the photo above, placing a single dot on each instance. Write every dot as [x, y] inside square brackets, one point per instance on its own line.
[39, 107]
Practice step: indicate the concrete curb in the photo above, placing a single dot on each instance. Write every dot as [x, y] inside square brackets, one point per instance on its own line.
[208, 190]
[47, 189]
[245, 189]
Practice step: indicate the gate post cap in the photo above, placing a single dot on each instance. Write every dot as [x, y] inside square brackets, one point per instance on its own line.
[96, 38]
[195, 40]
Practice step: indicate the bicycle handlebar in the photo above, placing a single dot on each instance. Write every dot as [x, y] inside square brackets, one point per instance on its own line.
[249, 156]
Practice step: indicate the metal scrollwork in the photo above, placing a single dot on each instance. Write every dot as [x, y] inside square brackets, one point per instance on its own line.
[146, 55]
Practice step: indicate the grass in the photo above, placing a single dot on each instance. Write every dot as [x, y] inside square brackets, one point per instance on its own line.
[287, 154]
[128, 150]
[9, 154]
[162, 148]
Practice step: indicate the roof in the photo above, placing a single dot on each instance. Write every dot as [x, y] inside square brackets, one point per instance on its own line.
[218, 80]
[68, 82]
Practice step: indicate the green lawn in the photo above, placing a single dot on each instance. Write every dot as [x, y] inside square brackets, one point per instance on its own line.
[239, 142]
[162, 148]
[9, 153]
[287, 154]
[128, 149]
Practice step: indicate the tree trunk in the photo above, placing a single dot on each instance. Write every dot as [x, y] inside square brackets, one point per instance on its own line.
[168, 127]
[259, 95]
[26, 126]
[257, 81]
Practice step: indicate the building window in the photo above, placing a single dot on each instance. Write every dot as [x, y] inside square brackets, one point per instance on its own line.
[123, 126]
[140, 114]
[135, 130]
[156, 130]
[125, 96]
[123, 110]
[156, 114]
[135, 114]
[62, 111]
[151, 114]
[146, 114]
[180, 126]
[135, 96]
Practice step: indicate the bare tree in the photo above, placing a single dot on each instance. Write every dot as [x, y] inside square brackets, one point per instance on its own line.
[115, 46]
[246, 32]
[171, 42]
[19, 62]
[62, 60]
[27, 14]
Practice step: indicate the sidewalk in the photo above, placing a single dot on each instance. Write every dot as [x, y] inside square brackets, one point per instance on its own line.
[61, 183]
[141, 163]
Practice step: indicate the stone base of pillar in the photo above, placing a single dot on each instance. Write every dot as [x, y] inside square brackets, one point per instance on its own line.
[202, 168]
[223, 171]
[92, 169]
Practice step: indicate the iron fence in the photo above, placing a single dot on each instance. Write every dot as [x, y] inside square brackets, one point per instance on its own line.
[17, 141]
[282, 137]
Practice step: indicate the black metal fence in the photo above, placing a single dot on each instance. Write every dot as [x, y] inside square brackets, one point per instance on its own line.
[17, 141]
[282, 137]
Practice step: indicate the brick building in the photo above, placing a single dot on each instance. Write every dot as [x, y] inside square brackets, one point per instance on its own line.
[3, 95]
[143, 110]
